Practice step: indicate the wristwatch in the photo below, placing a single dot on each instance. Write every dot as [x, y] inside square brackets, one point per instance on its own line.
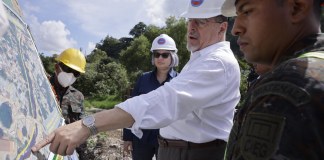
[89, 121]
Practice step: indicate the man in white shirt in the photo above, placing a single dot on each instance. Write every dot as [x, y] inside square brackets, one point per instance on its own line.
[194, 110]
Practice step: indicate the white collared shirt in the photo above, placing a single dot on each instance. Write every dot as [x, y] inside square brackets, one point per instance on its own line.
[197, 105]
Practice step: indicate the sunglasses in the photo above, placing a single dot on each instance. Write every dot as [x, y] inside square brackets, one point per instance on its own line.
[69, 70]
[164, 55]
[202, 22]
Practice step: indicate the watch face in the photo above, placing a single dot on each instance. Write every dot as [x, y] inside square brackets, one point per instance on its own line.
[89, 120]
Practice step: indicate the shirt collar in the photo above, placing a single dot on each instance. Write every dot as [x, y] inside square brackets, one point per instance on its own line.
[210, 48]
[172, 73]
[310, 43]
[314, 43]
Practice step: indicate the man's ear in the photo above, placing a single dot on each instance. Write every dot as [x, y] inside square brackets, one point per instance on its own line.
[223, 27]
[300, 9]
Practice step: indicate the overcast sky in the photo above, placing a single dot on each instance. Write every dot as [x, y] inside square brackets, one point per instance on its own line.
[60, 24]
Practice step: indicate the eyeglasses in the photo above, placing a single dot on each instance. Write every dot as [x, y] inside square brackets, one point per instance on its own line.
[69, 70]
[164, 55]
[202, 22]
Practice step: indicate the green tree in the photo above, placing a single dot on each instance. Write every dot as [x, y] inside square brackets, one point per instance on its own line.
[245, 70]
[111, 79]
[103, 76]
[124, 43]
[137, 56]
[96, 56]
[177, 29]
[113, 46]
[138, 30]
[48, 63]
[87, 80]
[152, 32]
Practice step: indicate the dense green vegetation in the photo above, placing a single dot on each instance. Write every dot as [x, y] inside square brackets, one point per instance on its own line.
[114, 65]
[103, 102]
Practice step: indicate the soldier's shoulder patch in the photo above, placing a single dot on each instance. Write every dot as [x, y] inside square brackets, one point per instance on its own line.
[291, 92]
[261, 135]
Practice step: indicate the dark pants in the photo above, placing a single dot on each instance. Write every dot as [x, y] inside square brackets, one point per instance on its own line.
[143, 151]
[213, 152]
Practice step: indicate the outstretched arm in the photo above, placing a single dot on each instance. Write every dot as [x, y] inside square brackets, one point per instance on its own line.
[65, 139]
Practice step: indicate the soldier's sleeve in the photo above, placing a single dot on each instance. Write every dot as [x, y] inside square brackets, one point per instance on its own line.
[285, 123]
[82, 113]
[77, 104]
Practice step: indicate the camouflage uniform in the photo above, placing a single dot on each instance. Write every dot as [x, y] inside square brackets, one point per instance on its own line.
[283, 114]
[71, 102]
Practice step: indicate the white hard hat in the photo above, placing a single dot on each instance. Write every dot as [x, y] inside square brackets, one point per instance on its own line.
[164, 42]
[228, 8]
[203, 9]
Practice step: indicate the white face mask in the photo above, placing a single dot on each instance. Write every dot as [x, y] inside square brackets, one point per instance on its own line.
[65, 79]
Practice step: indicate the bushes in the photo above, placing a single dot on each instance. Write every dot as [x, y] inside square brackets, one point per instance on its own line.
[102, 102]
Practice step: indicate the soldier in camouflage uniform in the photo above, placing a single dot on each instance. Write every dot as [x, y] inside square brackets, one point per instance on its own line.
[71, 63]
[283, 114]
[71, 101]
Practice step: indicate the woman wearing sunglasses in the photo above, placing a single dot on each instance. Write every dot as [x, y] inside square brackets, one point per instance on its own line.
[164, 58]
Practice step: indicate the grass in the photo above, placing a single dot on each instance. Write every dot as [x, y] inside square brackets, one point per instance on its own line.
[102, 102]
[100, 137]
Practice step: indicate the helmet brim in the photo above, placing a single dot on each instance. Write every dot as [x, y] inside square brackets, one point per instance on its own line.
[208, 13]
[228, 8]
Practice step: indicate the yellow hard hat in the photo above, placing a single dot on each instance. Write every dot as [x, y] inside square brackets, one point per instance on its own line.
[73, 58]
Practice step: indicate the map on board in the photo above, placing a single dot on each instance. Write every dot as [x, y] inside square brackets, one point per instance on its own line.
[28, 109]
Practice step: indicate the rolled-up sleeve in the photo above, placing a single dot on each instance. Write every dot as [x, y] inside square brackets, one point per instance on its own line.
[190, 90]
[185, 93]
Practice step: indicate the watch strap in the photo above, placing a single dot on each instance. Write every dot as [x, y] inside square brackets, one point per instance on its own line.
[93, 130]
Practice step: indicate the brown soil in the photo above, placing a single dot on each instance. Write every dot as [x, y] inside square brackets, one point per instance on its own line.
[104, 146]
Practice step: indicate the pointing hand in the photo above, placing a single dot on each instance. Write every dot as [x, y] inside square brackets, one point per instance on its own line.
[65, 139]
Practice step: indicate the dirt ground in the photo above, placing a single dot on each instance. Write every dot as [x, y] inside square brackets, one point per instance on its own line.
[104, 146]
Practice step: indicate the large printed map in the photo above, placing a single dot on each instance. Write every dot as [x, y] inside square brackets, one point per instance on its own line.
[28, 110]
